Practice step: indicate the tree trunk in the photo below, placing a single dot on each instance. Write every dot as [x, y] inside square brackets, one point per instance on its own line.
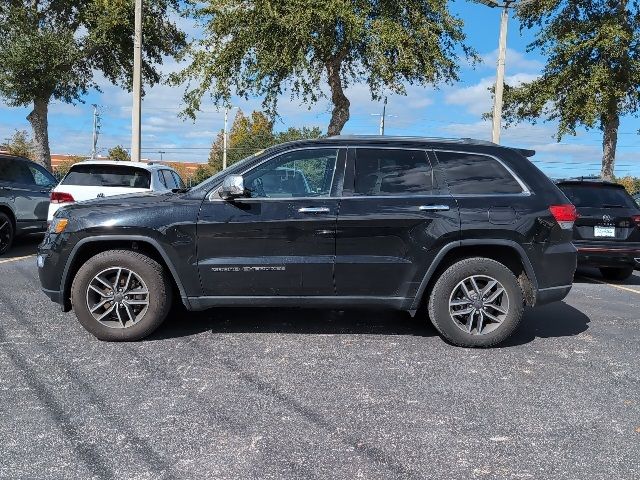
[610, 124]
[341, 104]
[38, 118]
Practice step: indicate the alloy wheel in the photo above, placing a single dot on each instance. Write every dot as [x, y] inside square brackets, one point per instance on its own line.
[478, 304]
[117, 297]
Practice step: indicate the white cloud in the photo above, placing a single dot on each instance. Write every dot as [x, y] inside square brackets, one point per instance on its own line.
[477, 98]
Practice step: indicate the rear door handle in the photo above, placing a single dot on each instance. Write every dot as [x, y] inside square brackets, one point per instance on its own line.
[313, 210]
[434, 208]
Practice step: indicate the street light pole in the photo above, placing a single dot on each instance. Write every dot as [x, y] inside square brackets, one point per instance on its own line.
[136, 113]
[225, 135]
[499, 89]
[502, 54]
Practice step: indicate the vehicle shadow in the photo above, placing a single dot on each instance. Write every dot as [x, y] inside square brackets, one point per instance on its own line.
[293, 320]
[555, 320]
[548, 321]
[23, 246]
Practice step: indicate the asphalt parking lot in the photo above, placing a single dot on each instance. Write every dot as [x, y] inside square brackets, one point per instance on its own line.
[274, 393]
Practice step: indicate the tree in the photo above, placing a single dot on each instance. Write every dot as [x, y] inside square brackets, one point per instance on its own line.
[202, 173]
[250, 135]
[52, 49]
[119, 154]
[19, 144]
[592, 74]
[264, 47]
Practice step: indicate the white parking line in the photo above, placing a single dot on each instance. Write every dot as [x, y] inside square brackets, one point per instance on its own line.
[10, 260]
[619, 287]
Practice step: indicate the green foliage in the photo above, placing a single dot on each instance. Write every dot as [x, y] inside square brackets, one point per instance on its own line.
[264, 47]
[63, 168]
[631, 184]
[201, 174]
[19, 144]
[53, 48]
[592, 74]
[251, 135]
[119, 153]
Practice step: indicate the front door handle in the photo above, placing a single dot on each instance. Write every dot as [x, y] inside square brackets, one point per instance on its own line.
[434, 208]
[313, 210]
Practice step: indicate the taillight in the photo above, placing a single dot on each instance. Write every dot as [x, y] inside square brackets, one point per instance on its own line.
[636, 220]
[565, 215]
[61, 197]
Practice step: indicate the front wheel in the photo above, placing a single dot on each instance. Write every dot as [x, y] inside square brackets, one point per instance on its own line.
[616, 274]
[476, 302]
[120, 295]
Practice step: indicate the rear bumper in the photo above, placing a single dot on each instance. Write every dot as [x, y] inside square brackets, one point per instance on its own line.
[608, 255]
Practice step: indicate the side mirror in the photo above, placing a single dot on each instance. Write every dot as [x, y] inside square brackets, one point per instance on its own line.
[232, 187]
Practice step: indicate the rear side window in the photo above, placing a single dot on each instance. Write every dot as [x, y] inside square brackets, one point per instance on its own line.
[380, 172]
[469, 173]
[107, 176]
[178, 180]
[169, 181]
[598, 196]
[16, 171]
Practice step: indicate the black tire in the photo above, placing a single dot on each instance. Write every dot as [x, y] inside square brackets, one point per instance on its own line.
[7, 233]
[151, 272]
[617, 274]
[439, 308]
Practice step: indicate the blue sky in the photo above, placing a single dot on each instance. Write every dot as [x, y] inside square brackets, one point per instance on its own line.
[450, 111]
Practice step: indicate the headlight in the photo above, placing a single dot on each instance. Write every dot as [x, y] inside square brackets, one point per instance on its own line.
[58, 225]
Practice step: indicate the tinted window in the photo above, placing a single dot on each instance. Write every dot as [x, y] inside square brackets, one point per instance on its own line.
[303, 173]
[598, 196]
[169, 181]
[178, 180]
[476, 174]
[41, 177]
[107, 176]
[392, 172]
[16, 171]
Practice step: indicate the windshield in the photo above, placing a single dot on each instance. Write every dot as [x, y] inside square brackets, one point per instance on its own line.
[235, 168]
[598, 196]
[107, 176]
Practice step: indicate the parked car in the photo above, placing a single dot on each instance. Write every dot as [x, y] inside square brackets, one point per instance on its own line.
[24, 198]
[607, 231]
[468, 229]
[97, 179]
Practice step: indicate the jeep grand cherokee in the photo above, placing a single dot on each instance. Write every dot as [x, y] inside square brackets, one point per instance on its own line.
[470, 230]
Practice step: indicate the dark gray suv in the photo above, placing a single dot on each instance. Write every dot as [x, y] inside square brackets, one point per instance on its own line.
[25, 187]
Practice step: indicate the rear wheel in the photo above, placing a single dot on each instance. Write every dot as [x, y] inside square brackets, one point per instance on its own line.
[120, 295]
[616, 273]
[7, 233]
[476, 302]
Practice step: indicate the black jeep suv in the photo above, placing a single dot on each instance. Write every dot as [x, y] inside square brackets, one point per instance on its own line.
[468, 229]
[607, 231]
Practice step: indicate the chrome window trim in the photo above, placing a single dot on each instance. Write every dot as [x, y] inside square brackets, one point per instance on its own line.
[525, 189]
[210, 196]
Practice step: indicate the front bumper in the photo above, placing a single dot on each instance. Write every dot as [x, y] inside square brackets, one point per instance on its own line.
[608, 255]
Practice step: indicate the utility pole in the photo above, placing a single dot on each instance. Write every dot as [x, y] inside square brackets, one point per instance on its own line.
[383, 116]
[225, 135]
[96, 131]
[499, 90]
[136, 113]
[502, 54]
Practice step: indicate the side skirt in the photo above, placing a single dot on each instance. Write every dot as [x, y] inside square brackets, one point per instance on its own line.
[395, 303]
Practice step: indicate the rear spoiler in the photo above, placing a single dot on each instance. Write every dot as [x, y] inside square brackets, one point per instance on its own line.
[525, 152]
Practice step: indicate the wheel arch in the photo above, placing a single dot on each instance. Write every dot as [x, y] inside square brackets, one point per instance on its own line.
[6, 209]
[507, 252]
[88, 247]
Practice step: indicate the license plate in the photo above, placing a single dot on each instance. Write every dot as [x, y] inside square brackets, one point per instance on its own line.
[604, 232]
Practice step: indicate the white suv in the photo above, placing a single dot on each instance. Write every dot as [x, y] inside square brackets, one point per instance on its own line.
[96, 179]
